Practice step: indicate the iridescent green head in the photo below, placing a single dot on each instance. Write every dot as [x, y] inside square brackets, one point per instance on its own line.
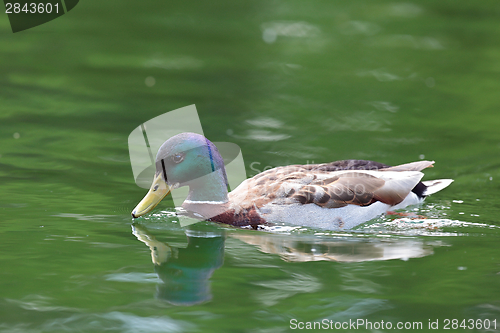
[187, 159]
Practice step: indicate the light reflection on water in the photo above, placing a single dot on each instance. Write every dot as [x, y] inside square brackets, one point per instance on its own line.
[117, 321]
[66, 319]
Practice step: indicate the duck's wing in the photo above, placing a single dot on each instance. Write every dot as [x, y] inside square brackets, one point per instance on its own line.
[361, 188]
[314, 184]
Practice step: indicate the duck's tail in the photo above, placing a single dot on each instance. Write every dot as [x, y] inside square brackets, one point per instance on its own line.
[434, 186]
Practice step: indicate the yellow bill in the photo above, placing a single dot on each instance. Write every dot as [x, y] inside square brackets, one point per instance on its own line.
[159, 189]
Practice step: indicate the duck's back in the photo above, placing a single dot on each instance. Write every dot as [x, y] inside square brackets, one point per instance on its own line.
[326, 192]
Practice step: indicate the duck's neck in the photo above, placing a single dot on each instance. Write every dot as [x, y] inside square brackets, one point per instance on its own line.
[211, 188]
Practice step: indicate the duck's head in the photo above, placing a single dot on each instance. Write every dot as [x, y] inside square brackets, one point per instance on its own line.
[187, 159]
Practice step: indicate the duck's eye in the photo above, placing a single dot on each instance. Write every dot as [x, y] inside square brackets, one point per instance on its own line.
[156, 187]
[178, 158]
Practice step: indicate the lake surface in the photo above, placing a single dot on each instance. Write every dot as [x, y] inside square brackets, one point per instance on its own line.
[290, 82]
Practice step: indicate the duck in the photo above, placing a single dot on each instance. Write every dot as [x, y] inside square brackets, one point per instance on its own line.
[334, 196]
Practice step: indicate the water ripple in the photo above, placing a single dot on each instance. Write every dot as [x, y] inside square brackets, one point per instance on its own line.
[117, 321]
[281, 289]
[134, 277]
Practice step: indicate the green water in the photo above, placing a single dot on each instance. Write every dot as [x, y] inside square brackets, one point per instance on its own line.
[288, 81]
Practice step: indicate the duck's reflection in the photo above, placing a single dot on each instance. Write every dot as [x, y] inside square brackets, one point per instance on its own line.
[341, 249]
[185, 272]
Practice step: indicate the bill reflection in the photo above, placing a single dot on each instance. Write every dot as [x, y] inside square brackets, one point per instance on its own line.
[185, 272]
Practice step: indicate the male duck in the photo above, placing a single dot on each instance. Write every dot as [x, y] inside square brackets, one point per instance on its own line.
[332, 195]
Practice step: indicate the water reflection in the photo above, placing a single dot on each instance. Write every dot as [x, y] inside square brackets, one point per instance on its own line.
[340, 249]
[185, 272]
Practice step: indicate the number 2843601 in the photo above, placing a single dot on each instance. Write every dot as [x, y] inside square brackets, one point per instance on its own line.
[31, 8]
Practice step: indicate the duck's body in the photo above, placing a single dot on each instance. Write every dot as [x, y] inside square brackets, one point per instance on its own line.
[334, 195]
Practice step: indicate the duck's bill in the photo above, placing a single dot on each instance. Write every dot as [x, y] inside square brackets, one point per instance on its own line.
[159, 189]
